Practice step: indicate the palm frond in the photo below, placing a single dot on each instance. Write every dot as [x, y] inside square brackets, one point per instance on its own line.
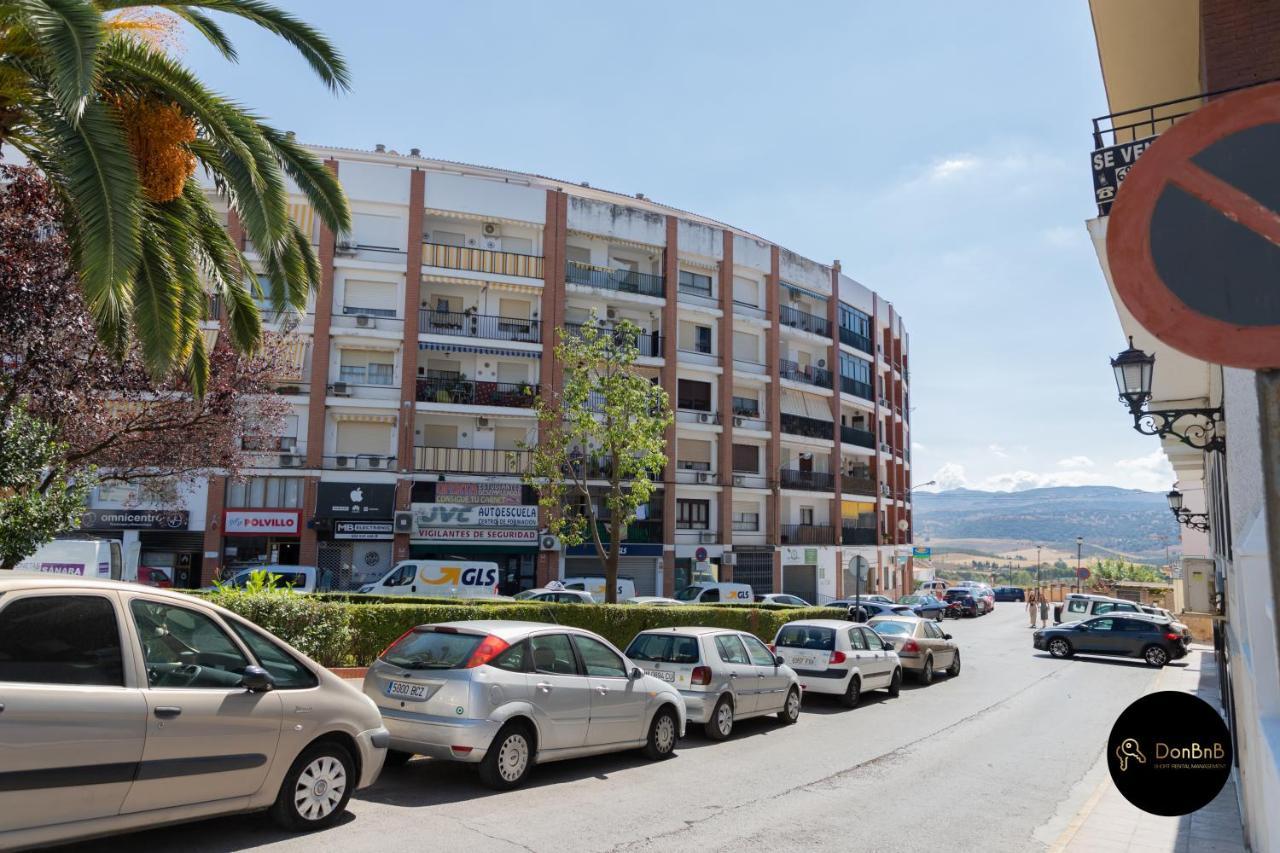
[68, 32]
[198, 367]
[317, 182]
[155, 303]
[225, 267]
[208, 28]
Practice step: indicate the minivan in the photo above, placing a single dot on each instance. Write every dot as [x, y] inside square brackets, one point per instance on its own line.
[438, 579]
[716, 593]
[1078, 605]
[86, 558]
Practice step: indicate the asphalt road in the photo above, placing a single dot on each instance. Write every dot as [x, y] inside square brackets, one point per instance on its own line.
[995, 759]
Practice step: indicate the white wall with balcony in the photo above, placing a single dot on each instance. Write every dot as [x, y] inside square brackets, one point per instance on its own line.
[750, 407]
[458, 374]
[282, 445]
[368, 302]
[583, 308]
[696, 457]
[804, 272]
[698, 341]
[699, 286]
[697, 516]
[750, 519]
[360, 441]
[482, 446]
[614, 270]
[448, 310]
[364, 370]
[483, 251]
[749, 293]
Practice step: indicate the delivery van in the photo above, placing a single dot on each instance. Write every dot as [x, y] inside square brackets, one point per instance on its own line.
[296, 578]
[594, 584]
[89, 558]
[438, 579]
[716, 593]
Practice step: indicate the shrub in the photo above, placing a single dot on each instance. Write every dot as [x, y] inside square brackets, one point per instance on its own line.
[319, 629]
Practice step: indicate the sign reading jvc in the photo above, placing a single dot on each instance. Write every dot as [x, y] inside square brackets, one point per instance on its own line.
[464, 515]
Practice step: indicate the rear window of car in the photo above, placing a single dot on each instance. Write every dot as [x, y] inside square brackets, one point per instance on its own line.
[430, 649]
[953, 594]
[901, 629]
[806, 637]
[664, 648]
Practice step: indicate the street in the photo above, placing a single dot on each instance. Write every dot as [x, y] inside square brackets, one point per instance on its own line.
[995, 759]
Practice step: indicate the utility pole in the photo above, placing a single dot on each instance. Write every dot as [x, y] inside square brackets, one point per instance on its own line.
[1079, 551]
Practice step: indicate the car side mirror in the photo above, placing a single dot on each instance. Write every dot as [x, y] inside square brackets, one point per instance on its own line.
[887, 646]
[256, 680]
[636, 673]
[779, 660]
[946, 636]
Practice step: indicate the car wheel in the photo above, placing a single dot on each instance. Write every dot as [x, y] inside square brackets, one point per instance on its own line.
[1059, 648]
[790, 712]
[510, 758]
[954, 669]
[663, 731]
[316, 789]
[396, 758]
[720, 726]
[853, 693]
[1155, 656]
[895, 683]
[926, 674]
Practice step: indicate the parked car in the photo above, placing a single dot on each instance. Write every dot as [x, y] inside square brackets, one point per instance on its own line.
[508, 695]
[860, 610]
[1010, 593]
[716, 593]
[1077, 606]
[936, 588]
[1155, 641]
[971, 604]
[150, 707]
[783, 599]
[295, 578]
[922, 647]
[924, 606]
[988, 596]
[839, 658]
[438, 579]
[557, 596]
[723, 675]
[652, 601]
[1164, 615]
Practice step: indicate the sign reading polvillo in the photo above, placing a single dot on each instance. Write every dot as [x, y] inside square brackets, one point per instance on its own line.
[476, 524]
[262, 522]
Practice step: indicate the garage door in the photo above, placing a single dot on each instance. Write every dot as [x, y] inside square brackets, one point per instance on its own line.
[755, 568]
[641, 570]
[801, 580]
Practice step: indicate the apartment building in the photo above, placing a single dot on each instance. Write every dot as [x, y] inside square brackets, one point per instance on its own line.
[1161, 61]
[411, 378]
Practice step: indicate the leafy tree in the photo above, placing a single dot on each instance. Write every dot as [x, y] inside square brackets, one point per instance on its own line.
[89, 95]
[607, 423]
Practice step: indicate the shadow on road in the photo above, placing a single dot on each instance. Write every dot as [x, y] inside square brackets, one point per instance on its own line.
[1110, 660]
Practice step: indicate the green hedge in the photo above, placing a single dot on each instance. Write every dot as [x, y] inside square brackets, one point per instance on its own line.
[340, 633]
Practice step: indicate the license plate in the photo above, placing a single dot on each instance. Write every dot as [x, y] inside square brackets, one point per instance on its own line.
[665, 676]
[804, 660]
[407, 690]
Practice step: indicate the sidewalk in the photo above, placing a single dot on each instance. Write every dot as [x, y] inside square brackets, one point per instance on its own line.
[1109, 824]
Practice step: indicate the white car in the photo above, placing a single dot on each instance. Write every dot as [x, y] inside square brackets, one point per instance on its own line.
[557, 596]
[839, 658]
[782, 599]
[653, 601]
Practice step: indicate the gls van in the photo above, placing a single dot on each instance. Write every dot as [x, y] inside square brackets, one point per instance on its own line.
[716, 593]
[438, 579]
[594, 584]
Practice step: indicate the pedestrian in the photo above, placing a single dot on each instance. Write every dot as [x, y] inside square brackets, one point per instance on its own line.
[1044, 612]
[1031, 606]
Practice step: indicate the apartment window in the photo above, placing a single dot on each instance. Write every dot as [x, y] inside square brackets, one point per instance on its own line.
[693, 455]
[370, 298]
[693, 395]
[746, 458]
[746, 292]
[265, 492]
[448, 238]
[359, 367]
[855, 321]
[513, 374]
[517, 245]
[746, 347]
[377, 231]
[806, 516]
[746, 517]
[578, 255]
[746, 407]
[702, 339]
[355, 438]
[855, 368]
[692, 282]
[692, 515]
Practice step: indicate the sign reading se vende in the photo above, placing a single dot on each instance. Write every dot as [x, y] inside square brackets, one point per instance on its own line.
[1193, 242]
[262, 522]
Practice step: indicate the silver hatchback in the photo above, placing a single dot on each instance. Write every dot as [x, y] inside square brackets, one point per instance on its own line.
[507, 695]
[723, 675]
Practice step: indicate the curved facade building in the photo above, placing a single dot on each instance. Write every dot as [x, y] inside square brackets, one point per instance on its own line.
[790, 461]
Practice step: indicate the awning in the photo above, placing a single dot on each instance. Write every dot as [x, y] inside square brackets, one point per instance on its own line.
[795, 403]
[210, 339]
[812, 294]
[293, 353]
[304, 216]
[363, 418]
[505, 353]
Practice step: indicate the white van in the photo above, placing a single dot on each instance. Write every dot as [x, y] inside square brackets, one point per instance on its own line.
[594, 584]
[438, 579]
[88, 558]
[936, 588]
[716, 593]
[295, 578]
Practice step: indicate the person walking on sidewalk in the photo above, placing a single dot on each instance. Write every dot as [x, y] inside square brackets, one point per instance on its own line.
[1031, 606]
[1044, 612]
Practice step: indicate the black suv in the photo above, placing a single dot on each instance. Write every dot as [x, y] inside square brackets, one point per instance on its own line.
[1154, 640]
[969, 602]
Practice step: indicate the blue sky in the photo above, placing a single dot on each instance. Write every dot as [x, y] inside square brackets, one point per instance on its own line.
[939, 150]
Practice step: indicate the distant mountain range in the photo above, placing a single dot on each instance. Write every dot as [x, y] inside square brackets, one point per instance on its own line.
[1123, 519]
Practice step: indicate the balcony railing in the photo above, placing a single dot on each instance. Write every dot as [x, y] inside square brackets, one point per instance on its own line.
[808, 427]
[860, 437]
[807, 534]
[649, 344]
[471, 460]
[481, 260]
[598, 468]
[857, 388]
[622, 281]
[467, 325]
[639, 530]
[360, 461]
[809, 374]
[852, 484]
[814, 481]
[855, 340]
[854, 535]
[804, 321]
[466, 392]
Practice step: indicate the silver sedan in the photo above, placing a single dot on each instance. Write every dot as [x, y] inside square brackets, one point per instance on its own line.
[507, 695]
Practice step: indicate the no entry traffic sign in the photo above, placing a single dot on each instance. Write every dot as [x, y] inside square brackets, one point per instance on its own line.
[1194, 236]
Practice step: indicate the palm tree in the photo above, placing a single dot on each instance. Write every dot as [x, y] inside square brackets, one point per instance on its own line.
[90, 97]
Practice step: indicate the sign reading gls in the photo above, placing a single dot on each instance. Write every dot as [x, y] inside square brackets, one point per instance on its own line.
[459, 576]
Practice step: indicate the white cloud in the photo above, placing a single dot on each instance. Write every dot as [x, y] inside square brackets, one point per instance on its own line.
[1075, 462]
[997, 450]
[915, 445]
[1062, 237]
[949, 476]
[1151, 473]
[952, 167]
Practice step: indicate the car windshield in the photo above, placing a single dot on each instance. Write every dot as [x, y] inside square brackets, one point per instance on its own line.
[911, 599]
[425, 648]
[689, 593]
[902, 629]
[528, 593]
[664, 648]
[953, 594]
[806, 637]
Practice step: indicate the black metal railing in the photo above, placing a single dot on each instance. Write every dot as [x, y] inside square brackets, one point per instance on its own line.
[851, 534]
[605, 278]
[1153, 119]
[468, 325]
[468, 392]
[471, 460]
[807, 534]
[639, 530]
[481, 260]
[649, 344]
[804, 321]
[852, 484]
[814, 481]
[808, 427]
[860, 437]
[598, 468]
[857, 388]
[855, 340]
[809, 374]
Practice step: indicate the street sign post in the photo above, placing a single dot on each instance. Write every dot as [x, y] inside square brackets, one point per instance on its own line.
[1082, 573]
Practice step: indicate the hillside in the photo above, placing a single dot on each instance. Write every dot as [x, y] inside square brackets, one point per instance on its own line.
[1123, 519]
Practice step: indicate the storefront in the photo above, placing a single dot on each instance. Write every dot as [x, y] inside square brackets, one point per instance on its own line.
[160, 527]
[809, 573]
[354, 531]
[696, 563]
[480, 522]
[754, 566]
[260, 537]
[641, 562]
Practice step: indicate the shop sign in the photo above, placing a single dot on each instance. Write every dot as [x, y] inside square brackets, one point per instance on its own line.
[135, 519]
[363, 530]
[355, 500]
[921, 552]
[800, 556]
[459, 515]
[262, 522]
[493, 494]
[477, 536]
[1111, 165]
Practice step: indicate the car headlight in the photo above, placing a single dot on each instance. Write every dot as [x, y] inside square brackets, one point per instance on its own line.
[368, 588]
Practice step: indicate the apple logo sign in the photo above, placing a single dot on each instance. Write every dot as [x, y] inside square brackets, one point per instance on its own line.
[357, 495]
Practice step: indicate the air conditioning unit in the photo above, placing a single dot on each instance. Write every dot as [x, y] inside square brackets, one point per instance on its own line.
[706, 477]
[482, 423]
[346, 243]
[341, 389]
[491, 229]
[610, 312]
[374, 463]
[793, 295]
[290, 460]
[288, 442]
[403, 522]
[364, 320]
[343, 461]
[737, 422]
[884, 402]
[822, 363]
[728, 558]
[884, 448]
[704, 417]
[547, 542]
[707, 537]
[739, 480]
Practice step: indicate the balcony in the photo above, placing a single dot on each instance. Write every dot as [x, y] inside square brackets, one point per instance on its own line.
[860, 437]
[808, 427]
[598, 468]
[807, 534]
[813, 481]
[808, 374]
[465, 324]
[360, 462]
[851, 484]
[620, 281]
[857, 388]
[466, 392]
[639, 530]
[695, 473]
[471, 460]
[859, 342]
[481, 260]
[649, 344]
[854, 535]
[804, 321]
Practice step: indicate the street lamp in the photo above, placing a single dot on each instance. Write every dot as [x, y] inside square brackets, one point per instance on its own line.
[1194, 520]
[1079, 551]
[1133, 369]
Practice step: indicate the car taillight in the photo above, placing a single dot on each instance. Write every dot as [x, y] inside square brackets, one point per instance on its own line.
[700, 676]
[1172, 636]
[911, 647]
[396, 642]
[837, 657]
[490, 647]
[771, 648]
